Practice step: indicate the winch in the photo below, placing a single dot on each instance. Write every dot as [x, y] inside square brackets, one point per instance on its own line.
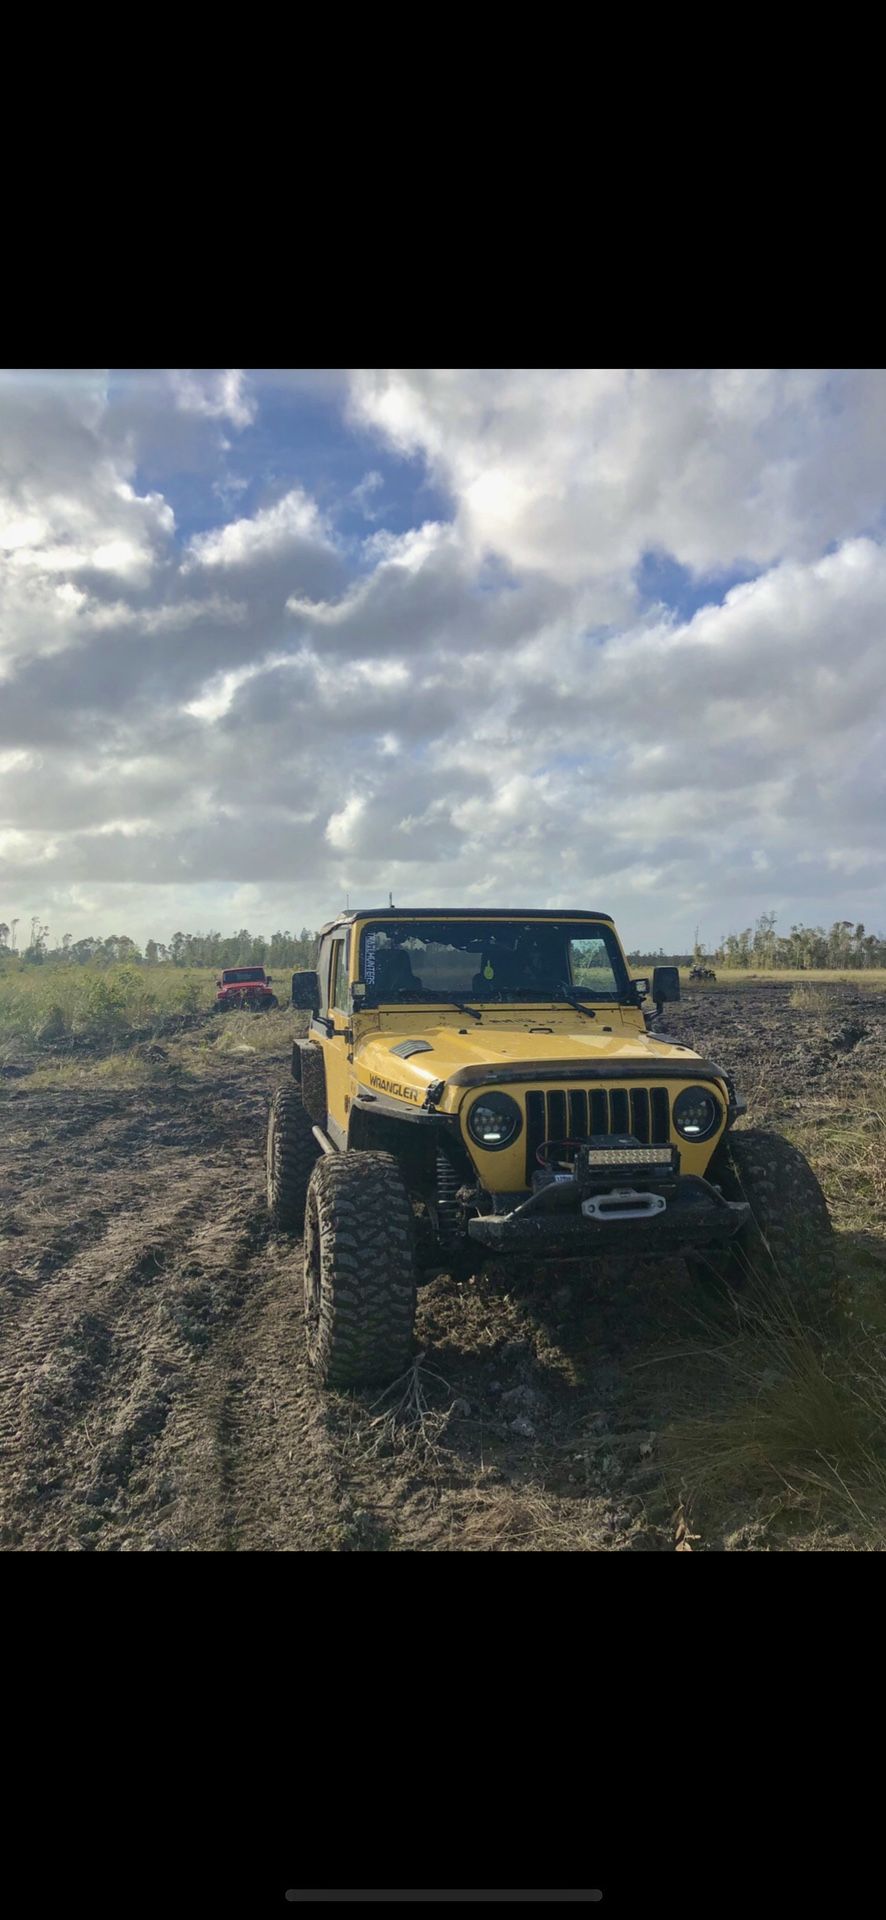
[605, 1162]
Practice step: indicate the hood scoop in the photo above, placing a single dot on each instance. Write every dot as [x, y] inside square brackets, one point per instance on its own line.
[406, 1048]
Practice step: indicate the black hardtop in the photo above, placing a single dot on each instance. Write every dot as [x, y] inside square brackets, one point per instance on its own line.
[461, 913]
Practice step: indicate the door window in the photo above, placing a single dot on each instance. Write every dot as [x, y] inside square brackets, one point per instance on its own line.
[323, 958]
[340, 976]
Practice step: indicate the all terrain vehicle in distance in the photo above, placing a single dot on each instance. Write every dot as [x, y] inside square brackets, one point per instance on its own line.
[485, 1086]
[244, 987]
[703, 973]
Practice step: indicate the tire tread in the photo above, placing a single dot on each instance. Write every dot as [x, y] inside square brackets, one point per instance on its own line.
[359, 1222]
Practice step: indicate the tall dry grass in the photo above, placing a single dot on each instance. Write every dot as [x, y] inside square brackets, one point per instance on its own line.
[51, 1005]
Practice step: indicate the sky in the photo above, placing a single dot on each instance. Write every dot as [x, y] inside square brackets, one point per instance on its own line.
[273, 640]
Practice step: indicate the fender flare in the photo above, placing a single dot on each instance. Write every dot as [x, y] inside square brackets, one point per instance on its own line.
[309, 1069]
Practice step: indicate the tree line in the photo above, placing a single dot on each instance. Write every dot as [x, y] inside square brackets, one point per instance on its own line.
[243, 949]
[846, 944]
[759, 949]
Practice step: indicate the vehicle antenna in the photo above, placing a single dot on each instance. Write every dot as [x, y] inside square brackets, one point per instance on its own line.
[390, 899]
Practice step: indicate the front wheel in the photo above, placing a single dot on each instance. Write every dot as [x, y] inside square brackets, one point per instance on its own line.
[359, 1270]
[291, 1155]
[787, 1248]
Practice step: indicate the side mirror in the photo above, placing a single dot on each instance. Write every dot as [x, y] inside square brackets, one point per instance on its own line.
[270, 979]
[306, 991]
[665, 985]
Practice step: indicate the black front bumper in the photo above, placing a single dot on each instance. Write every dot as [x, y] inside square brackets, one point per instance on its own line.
[696, 1216]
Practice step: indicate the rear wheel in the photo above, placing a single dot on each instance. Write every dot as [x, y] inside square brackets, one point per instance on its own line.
[787, 1249]
[291, 1156]
[359, 1270]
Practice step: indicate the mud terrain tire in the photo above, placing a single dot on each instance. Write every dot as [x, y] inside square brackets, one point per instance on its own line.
[291, 1156]
[359, 1267]
[788, 1246]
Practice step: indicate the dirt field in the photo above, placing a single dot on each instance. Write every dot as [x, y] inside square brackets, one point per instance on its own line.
[155, 1394]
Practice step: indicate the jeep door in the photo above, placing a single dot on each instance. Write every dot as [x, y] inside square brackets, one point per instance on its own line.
[336, 1047]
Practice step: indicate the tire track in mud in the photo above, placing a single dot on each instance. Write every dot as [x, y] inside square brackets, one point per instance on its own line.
[277, 1486]
[86, 1360]
[149, 1361]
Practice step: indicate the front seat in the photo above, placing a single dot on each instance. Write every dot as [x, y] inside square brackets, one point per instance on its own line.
[393, 972]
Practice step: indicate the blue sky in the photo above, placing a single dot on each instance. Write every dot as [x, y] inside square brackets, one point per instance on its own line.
[661, 580]
[298, 437]
[614, 635]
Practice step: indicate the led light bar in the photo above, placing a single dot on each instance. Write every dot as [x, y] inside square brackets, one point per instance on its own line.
[629, 1156]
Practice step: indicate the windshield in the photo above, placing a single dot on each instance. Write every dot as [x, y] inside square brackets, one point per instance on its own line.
[242, 973]
[491, 960]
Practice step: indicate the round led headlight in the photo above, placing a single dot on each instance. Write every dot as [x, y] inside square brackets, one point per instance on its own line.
[696, 1113]
[494, 1121]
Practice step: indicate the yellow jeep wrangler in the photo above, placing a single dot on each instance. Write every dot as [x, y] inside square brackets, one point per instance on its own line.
[479, 1086]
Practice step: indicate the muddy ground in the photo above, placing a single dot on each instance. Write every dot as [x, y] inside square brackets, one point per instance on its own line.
[154, 1393]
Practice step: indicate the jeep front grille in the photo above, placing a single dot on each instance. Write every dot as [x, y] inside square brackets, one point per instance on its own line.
[575, 1113]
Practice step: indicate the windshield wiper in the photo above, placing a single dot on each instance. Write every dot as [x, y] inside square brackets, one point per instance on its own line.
[569, 994]
[461, 1008]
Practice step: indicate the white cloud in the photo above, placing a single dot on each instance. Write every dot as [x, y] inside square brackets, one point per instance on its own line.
[108, 528]
[73, 525]
[217, 396]
[219, 694]
[271, 531]
[340, 826]
[576, 473]
[364, 493]
[410, 550]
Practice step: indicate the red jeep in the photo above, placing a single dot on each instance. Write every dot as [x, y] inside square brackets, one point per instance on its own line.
[245, 987]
